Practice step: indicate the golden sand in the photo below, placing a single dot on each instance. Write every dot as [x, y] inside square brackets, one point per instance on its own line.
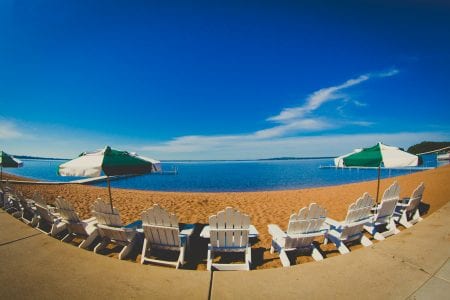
[263, 207]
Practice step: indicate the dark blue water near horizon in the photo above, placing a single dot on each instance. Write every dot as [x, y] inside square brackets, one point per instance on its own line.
[229, 176]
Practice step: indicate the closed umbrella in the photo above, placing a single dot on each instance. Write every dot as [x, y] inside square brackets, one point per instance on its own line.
[378, 156]
[109, 162]
[8, 161]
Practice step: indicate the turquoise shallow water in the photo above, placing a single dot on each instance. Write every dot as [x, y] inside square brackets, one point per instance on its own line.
[218, 176]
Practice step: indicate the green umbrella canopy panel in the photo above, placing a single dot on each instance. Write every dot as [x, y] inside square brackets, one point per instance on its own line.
[8, 161]
[110, 162]
[368, 157]
[381, 155]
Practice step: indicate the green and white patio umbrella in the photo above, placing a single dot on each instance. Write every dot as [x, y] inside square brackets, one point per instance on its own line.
[378, 156]
[8, 161]
[109, 162]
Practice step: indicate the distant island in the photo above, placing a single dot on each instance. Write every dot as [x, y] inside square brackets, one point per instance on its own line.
[422, 147]
[297, 158]
[37, 157]
[427, 147]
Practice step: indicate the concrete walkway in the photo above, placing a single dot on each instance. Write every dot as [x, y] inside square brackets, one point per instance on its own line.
[413, 264]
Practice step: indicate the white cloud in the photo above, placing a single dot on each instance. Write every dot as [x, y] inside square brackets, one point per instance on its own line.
[304, 125]
[315, 100]
[245, 147]
[389, 73]
[322, 96]
[280, 139]
[9, 130]
[291, 122]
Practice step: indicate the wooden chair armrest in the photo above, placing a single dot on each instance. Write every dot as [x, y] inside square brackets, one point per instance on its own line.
[91, 220]
[187, 229]
[276, 232]
[333, 222]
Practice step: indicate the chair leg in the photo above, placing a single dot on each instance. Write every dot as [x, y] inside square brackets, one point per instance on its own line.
[181, 257]
[209, 258]
[34, 222]
[127, 249]
[67, 238]
[393, 227]
[316, 254]
[248, 255]
[416, 217]
[102, 245]
[144, 251]
[90, 239]
[57, 228]
[338, 243]
[284, 259]
[404, 221]
[378, 236]
[366, 242]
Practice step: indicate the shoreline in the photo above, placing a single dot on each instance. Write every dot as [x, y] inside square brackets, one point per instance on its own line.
[263, 207]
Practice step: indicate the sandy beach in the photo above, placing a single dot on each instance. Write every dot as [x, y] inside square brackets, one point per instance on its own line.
[263, 207]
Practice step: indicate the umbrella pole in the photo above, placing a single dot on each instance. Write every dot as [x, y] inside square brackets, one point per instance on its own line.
[109, 191]
[378, 184]
[1, 173]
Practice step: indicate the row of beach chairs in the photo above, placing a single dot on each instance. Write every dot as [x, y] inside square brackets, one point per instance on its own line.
[228, 231]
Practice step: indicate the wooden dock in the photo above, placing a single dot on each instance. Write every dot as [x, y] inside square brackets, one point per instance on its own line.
[376, 168]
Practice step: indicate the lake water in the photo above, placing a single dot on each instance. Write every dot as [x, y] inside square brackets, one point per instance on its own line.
[219, 176]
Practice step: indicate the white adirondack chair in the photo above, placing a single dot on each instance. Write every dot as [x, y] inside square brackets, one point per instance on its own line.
[162, 231]
[111, 229]
[83, 229]
[28, 213]
[7, 192]
[47, 217]
[303, 228]
[351, 229]
[229, 231]
[407, 212]
[382, 224]
[13, 206]
[3, 196]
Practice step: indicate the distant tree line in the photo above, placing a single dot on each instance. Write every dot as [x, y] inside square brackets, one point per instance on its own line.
[427, 146]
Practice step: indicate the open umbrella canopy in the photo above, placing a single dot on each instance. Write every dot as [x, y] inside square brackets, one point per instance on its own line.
[8, 161]
[109, 162]
[339, 161]
[379, 155]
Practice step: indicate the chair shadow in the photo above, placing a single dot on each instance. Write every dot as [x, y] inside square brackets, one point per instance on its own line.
[424, 208]
[196, 255]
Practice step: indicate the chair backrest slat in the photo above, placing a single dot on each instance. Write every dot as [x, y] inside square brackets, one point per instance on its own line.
[416, 198]
[229, 229]
[360, 209]
[358, 212]
[102, 212]
[66, 210]
[308, 221]
[388, 202]
[161, 228]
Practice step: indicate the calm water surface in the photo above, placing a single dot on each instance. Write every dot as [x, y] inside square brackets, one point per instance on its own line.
[218, 176]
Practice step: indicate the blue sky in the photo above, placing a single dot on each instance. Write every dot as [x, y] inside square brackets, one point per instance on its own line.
[227, 80]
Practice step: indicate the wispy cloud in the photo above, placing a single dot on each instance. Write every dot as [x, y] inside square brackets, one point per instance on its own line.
[315, 100]
[295, 126]
[287, 134]
[290, 122]
[9, 130]
[322, 96]
[243, 147]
